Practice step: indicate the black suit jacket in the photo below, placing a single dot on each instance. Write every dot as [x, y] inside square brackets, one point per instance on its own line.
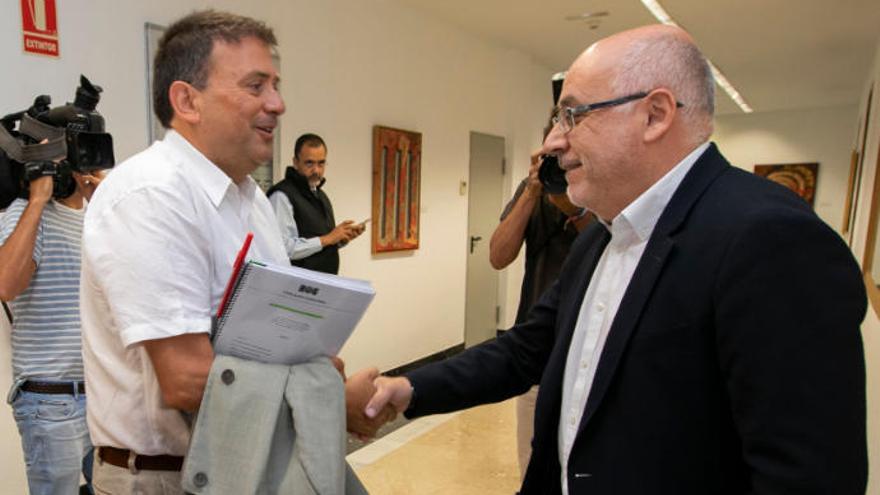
[734, 364]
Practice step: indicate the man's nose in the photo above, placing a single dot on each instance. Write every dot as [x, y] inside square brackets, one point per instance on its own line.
[274, 103]
[555, 143]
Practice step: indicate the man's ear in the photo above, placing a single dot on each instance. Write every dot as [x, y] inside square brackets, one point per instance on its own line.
[186, 101]
[662, 108]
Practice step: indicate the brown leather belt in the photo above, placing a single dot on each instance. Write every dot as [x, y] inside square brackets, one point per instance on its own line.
[54, 387]
[127, 459]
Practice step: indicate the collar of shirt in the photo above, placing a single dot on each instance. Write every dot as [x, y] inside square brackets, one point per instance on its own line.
[636, 222]
[214, 181]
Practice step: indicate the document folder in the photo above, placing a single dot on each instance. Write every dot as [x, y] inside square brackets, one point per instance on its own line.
[287, 315]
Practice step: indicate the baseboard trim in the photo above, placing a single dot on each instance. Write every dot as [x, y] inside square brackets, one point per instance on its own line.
[418, 363]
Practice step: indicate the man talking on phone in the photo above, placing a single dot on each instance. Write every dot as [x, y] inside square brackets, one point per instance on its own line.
[305, 216]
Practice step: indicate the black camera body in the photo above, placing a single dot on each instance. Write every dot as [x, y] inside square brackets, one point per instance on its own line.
[53, 141]
[551, 176]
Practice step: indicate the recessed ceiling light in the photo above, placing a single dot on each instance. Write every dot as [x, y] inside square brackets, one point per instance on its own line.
[660, 13]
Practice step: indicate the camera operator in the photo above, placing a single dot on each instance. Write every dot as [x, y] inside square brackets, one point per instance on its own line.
[39, 276]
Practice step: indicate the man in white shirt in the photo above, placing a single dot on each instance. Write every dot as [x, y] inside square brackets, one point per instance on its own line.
[161, 241]
[305, 215]
[692, 343]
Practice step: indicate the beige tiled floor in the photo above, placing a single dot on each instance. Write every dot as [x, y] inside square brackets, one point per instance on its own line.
[472, 452]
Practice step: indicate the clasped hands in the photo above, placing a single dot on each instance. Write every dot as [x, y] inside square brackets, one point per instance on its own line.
[372, 400]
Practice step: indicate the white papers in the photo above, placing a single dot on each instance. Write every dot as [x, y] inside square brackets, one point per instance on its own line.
[287, 315]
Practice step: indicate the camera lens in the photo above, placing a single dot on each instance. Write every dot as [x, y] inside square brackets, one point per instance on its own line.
[551, 176]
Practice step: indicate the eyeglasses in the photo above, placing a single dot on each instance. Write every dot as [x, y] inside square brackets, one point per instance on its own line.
[564, 116]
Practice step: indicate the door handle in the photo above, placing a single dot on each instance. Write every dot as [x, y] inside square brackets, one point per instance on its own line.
[474, 240]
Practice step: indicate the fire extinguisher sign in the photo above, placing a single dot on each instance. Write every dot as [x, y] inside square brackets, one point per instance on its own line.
[39, 25]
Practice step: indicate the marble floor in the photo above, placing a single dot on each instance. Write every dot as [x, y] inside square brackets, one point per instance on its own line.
[469, 452]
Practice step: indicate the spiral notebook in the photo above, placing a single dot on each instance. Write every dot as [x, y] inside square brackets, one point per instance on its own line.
[287, 315]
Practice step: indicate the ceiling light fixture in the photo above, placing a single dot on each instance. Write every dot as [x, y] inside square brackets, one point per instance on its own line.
[591, 19]
[660, 13]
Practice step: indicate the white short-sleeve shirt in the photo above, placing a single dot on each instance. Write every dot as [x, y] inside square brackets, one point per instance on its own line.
[159, 240]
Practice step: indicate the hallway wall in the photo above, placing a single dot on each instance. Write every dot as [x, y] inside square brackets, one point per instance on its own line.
[820, 135]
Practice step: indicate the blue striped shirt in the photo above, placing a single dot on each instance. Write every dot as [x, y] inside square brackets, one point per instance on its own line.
[46, 334]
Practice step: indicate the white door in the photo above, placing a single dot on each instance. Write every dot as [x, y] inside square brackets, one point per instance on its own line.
[484, 208]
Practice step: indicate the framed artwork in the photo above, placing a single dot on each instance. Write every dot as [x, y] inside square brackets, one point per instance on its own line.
[397, 160]
[799, 177]
[850, 192]
[856, 177]
[870, 261]
[152, 34]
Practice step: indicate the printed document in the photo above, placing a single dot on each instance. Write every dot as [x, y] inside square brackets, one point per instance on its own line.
[287, 315]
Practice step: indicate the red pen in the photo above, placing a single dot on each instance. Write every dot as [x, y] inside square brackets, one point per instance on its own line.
[236, 269]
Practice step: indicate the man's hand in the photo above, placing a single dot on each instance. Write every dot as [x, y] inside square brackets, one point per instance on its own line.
[394, 392]
[358, 390]
[534, 186]
[339, 364]
[87, 183]
[40, 190]
[358, 228]
[343, 233]
[17, 265]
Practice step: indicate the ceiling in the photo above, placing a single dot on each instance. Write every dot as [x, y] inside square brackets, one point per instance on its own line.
[779, 54]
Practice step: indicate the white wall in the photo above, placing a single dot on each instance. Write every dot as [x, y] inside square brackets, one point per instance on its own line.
[346, 65]
[380, 64]
[822, 135]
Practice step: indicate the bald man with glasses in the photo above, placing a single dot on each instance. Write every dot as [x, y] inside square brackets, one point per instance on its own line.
[703, 337]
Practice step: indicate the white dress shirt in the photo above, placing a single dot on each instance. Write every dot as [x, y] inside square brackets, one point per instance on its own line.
[297, 247]
[630, 231]
[160, 238]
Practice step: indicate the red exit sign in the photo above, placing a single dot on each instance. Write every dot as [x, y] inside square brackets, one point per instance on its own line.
[39, 25]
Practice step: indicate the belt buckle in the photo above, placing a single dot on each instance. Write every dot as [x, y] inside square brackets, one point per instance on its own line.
[132, 457]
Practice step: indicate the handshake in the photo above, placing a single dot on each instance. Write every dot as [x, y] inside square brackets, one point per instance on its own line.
[372, 400]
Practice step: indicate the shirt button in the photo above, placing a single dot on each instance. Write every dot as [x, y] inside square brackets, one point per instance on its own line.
[200, 480]
[572, 421]
[228, 376]
[583, 365]
[600, 307]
